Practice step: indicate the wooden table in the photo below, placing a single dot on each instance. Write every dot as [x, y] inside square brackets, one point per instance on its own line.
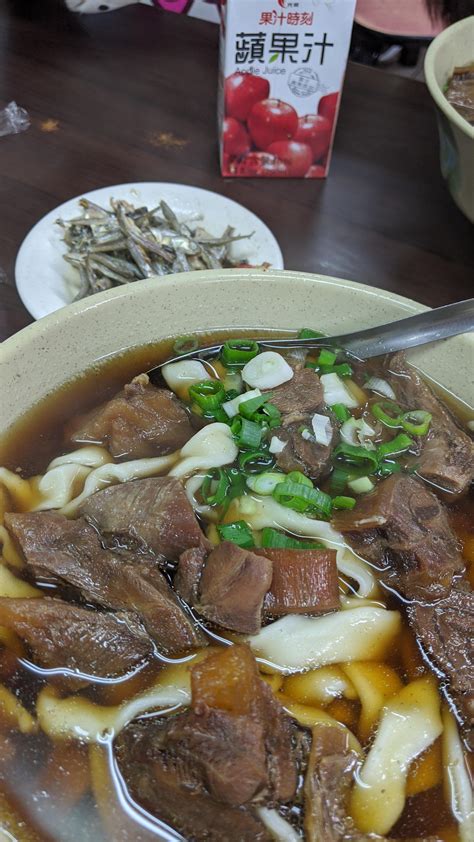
[131, 96]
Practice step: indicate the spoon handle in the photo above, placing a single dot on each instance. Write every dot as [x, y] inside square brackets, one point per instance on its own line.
[429, 326]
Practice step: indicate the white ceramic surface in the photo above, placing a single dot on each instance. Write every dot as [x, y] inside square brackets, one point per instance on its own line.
[52, 351]
[453, 48]
[46, 282]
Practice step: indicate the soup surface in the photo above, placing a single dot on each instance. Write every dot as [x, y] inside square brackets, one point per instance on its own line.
[236, 603]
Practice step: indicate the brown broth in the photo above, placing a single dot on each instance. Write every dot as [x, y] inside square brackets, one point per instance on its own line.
[48, 782]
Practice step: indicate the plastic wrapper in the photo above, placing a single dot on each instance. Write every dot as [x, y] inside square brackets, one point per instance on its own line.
[460, 92]
[13, 120]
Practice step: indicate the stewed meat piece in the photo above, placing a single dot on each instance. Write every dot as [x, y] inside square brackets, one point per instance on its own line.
[304, 454]
[447, 453]
[298, 397]
[62, 635]
[403, 528]
[201, 770]
[237, 588]
[140, 421]
[69, 551]
[232, 588]
[148, 515]
[445, 632]
[303, 582]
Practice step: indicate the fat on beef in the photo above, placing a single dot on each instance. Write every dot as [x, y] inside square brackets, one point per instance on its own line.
[146, 515]
[69, 551]
[140, 421]
[447, 453]
[66, 636]
[403, 528]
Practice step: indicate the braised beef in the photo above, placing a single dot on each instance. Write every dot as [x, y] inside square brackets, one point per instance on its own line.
[298, 397]
[328, 781]
[70, 551]
[62, 635]
[403, 528]
[447, 453]
[232, 588]
[202, 770]
[168, 787]
[188, 574]
[140, 421]
[303, 582]
[300, 454]
[148, 515]
[445, 633]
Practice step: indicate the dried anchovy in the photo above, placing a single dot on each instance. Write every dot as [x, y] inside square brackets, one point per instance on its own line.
[125, 244]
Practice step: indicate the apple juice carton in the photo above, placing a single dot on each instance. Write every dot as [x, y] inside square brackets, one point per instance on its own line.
[282, 65]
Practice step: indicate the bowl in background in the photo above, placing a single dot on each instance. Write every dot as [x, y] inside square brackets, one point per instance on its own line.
[453, 48]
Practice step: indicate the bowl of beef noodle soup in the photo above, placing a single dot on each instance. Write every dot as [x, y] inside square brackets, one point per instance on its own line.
[236, 598]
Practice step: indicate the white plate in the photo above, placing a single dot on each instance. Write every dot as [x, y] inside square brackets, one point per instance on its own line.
[46, 282]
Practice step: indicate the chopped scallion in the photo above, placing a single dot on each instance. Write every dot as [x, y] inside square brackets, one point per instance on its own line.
[342, 502]
[214, 487]
[417, 422]
[209, 394]
[255, 461]
[388, 412]
[399, 444]
[362, 485]
[300, 498]
[343, 370]
[356, 455]
[238, 351]
[238, 532]
[247, 433]
[326, 357]
[265, 483]
[307, 333]
[341, 412]
[386, 469]
[250, 407]
[273, 539]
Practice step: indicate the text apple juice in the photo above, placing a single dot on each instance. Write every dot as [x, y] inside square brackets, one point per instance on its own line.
[282, 65]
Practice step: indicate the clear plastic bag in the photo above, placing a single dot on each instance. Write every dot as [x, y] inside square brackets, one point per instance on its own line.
[13, 120]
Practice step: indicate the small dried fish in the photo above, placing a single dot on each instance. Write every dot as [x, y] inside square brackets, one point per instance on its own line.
[123, 244]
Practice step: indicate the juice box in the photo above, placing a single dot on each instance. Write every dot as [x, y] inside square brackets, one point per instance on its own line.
[282, 65]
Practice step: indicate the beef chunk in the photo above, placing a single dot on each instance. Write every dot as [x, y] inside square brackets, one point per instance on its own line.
[166, 782]
[201, 770]
[444, 631]
[66, 636]
[230, 681]
[303, 582]
[232, 588]
[403, 527]
[188, 574]
[140, 421]
[300, 396]
[327, 785]
[447, 453]
[300, 454]
[148, 515]
[69, 551]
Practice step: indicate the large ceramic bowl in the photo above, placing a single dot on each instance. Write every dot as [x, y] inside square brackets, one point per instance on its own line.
[453, 48]
[54, 350]
[45, 355]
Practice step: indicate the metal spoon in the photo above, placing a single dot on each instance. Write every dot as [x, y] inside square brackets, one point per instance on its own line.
[430, 326]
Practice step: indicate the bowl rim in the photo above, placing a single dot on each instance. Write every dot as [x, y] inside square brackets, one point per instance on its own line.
[19, 340]
[432, 83]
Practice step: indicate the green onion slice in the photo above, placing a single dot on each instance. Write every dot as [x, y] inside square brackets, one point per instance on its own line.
[339, 479]
[255, 461]
[298, 476]
[386, 469]
[214, 487]
[326, 357]
[238, 351]
[209, 394]
[399, 444]
[341, 412]
[300, 498]
[388, 412]
[185, 345]
[273, 539]
[417, 422]
[307, 333]
[238, 532]
[343, 370]
[247, 433]
[250, 407]
[265, 483]
[356, 455]
[342, 502]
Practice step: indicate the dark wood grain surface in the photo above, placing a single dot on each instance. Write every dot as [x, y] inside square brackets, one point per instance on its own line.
[131, 96]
